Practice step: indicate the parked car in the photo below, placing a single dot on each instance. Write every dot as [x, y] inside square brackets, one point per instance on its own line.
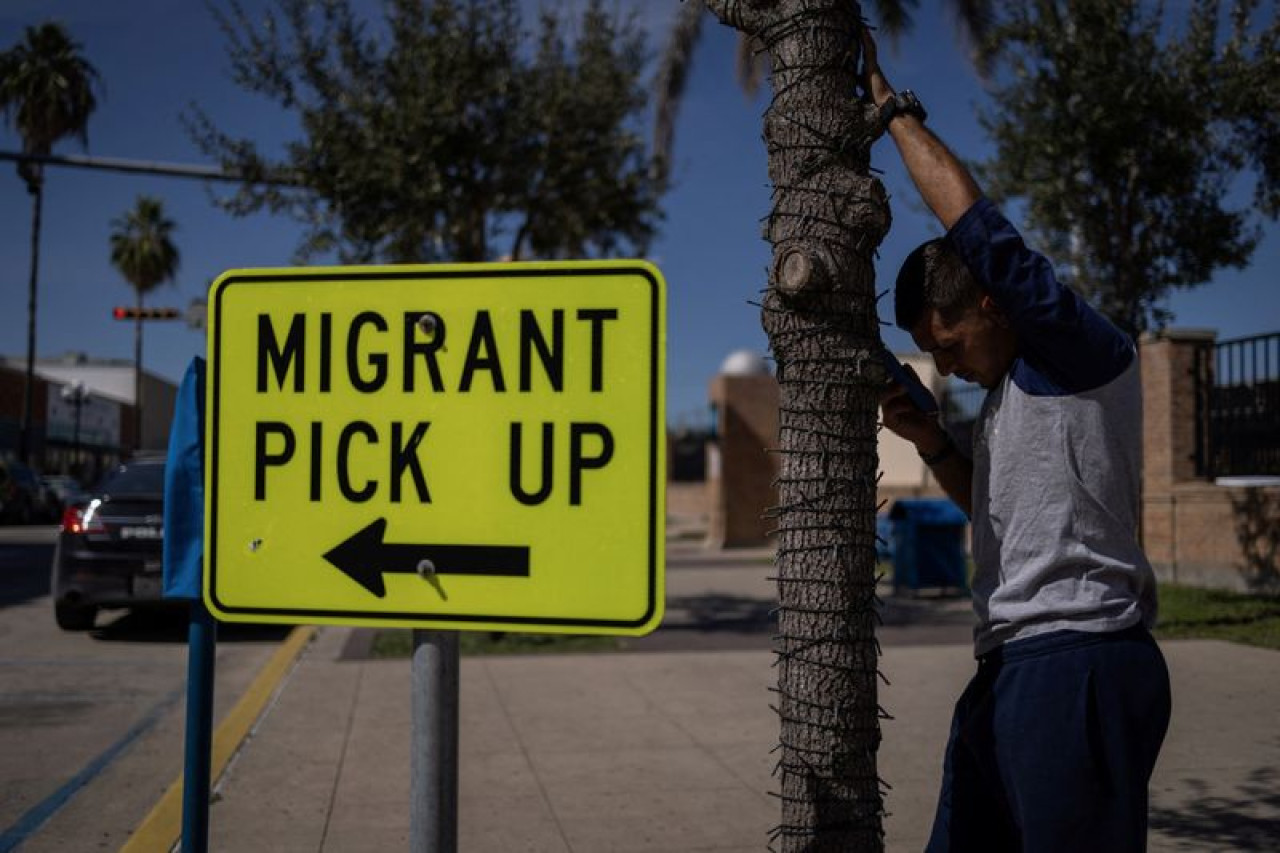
[20, 497]
[66, 489]
[110, 549]
[47, 506]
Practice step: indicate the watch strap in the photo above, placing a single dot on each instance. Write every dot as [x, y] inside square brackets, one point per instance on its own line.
[945, 452]
[902, 103]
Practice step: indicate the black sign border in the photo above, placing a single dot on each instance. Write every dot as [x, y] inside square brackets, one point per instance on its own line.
[349, 617]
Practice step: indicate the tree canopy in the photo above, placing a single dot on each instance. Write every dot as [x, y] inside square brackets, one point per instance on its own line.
[445, 131]
[895, 17]
[142, 247]
[46, 91]
[1126, 135]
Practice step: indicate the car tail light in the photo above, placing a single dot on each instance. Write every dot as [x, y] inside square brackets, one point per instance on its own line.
[81, 519]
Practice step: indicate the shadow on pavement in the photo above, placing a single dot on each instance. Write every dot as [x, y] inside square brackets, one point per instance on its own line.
[24, 573]
[722, 612]
[1250, 820]
[726, 612]
[715, 621]
[168, 624]
[711, 622]
[719, 621]
[931, 610]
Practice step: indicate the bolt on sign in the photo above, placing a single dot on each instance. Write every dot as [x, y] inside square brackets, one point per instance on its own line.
[460, 447]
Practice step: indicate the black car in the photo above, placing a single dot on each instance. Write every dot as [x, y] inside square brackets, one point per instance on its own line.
[66, 491]
[110, 549]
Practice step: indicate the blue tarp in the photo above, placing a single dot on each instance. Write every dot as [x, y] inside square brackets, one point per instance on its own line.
[928, 544]
[184, 489]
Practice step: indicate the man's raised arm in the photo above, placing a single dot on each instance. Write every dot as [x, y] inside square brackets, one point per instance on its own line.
[943, 181]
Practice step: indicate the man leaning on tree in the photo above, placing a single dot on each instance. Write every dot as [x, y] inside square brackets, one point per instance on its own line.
[1053, 741]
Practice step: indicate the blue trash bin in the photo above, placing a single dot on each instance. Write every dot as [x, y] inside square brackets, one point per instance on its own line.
[929, 545]
[884, 539]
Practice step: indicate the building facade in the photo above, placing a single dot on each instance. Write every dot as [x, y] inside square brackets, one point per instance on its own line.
[84, 418]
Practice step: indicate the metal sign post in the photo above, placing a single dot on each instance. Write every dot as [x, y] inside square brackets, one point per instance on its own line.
[433, 786]
[202, 650]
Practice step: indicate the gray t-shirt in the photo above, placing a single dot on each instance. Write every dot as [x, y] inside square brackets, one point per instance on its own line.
[1057, 456]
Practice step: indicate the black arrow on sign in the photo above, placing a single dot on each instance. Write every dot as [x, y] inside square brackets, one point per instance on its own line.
[365, 558]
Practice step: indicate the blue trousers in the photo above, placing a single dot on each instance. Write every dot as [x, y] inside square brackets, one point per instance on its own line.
[1052, 746]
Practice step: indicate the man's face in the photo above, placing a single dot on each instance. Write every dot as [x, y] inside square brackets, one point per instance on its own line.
[978, 347]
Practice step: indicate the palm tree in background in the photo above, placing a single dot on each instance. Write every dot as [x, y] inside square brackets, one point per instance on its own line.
[46, 94]
[894, 17]
[143, 251]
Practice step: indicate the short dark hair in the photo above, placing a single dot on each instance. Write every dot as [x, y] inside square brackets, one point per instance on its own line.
[933, 276]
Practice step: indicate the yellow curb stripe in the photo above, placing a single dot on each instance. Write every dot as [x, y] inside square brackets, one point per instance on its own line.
[161, 829]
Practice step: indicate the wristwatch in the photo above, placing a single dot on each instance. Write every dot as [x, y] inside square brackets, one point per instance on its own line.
[902, 103]
[939, 455]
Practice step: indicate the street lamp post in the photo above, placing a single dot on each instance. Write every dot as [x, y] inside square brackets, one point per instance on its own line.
[75, 393]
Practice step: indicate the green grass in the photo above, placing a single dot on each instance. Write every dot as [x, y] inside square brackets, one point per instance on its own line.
[1190, 612]
[399, 644]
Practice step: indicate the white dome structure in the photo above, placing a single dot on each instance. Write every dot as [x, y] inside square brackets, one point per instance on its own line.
[745, 362]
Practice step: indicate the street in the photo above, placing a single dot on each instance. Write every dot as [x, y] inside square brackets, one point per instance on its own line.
[91, 724]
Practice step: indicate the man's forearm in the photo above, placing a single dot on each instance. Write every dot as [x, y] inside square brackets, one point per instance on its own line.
[951, 468]
[943, 181]
[955, 475]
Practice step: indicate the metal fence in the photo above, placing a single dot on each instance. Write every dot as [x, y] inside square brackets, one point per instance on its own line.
[1238, 407]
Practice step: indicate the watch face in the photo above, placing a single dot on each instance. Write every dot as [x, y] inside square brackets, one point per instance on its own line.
[902, 103]
[908, 103]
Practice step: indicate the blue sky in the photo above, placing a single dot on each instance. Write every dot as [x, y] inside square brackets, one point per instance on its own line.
[156, 56]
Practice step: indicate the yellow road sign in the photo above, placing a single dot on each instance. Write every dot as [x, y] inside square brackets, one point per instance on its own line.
[468, 447]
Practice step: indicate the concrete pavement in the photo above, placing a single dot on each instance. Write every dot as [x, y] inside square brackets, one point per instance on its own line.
[91, 724]
[670, 750]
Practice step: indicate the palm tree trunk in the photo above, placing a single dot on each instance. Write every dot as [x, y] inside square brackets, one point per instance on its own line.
[819, 313]
[137, 372]
[36, 187]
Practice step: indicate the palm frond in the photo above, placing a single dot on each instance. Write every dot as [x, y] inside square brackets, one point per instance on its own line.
[752, 61]
[142, 247]
[974, 20]
[893, 17]
[670, 81]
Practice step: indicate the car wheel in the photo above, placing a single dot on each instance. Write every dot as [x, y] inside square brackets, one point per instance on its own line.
[74, 617]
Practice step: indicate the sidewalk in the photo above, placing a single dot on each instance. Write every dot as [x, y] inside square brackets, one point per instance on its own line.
[664, 750]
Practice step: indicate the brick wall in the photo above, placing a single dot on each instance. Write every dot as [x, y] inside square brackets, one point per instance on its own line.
[1195, 531]
[740, 482]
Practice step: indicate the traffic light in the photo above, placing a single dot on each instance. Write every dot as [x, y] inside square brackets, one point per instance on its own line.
[124, 313]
